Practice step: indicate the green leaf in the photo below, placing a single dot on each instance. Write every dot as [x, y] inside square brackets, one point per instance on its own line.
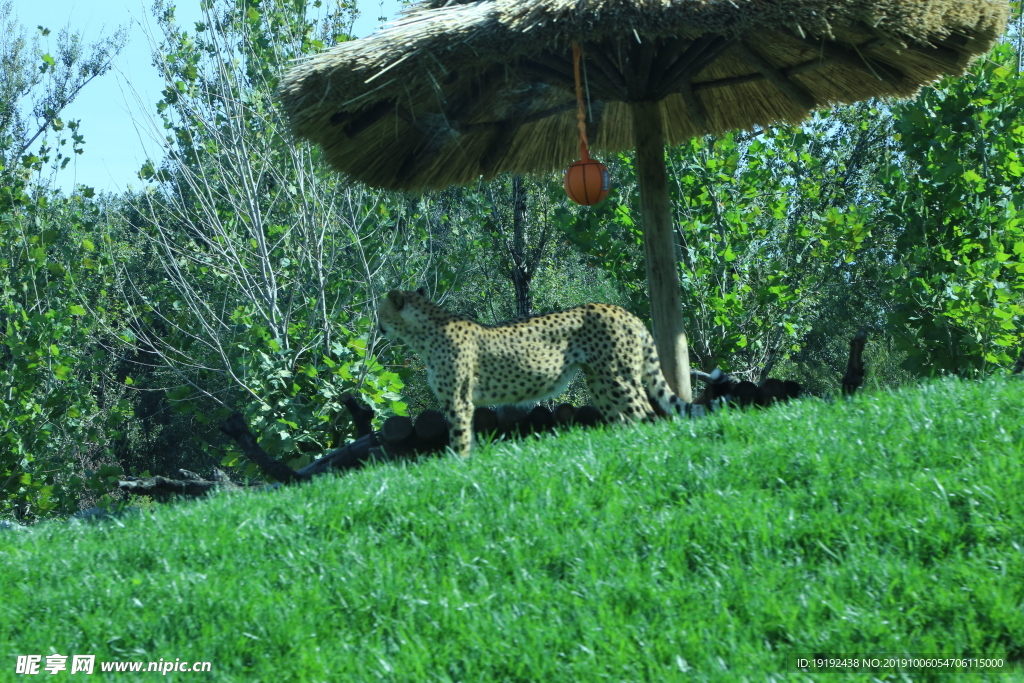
[972, 176]
[75, 309]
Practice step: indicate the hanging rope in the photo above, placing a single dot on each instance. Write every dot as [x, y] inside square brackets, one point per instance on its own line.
[586, 181]
[581, 117]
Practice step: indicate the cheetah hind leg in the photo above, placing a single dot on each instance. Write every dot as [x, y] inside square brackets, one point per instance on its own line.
[617, 399]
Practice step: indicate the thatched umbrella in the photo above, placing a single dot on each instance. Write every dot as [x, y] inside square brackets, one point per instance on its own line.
[455, 91]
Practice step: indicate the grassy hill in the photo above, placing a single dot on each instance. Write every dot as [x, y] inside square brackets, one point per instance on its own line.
[711, 550]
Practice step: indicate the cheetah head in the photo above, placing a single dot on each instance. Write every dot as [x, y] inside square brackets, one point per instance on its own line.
[389, 314]
[403, 314]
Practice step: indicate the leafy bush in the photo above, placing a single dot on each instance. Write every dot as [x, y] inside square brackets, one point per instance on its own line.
[958, 205]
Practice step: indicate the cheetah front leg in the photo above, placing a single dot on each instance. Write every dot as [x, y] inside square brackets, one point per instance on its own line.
[459, 412]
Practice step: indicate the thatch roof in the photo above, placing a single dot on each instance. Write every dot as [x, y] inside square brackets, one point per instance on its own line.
[457, 90]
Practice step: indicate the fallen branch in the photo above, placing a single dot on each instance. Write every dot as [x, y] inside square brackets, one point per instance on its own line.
[362, 415]
[162, 488]
[237, 429]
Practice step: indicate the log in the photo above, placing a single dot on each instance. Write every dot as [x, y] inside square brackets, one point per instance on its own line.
[509, 418]
[397, 430]
[589, 416]
[431, 430]
[745, 394]
[541, 420]
[770, 391]
[485, 420]
[793, 389]
[565, 413]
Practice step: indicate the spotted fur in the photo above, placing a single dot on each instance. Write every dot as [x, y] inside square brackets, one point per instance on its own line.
[531, 359]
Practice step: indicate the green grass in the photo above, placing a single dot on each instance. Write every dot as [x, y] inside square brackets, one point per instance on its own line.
[709, 550]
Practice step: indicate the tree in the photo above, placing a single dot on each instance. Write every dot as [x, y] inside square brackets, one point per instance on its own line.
[50, 421]
[270, 261]
[36, 85]
[957, 204]
[517, 237]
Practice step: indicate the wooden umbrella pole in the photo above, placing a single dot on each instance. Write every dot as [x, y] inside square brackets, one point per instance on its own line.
[660, 248]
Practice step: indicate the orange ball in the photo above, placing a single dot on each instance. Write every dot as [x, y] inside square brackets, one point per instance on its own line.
[587, 182]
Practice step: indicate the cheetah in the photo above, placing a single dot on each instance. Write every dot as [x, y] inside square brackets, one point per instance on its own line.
[531, 359]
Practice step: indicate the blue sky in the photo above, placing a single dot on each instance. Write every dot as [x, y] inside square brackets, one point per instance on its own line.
[115, 109]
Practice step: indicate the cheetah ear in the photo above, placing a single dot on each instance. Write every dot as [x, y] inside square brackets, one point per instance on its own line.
[421, 291]
[396, 299]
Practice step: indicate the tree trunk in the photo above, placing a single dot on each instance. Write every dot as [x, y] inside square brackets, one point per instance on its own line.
[660, 248]
[522, 267]
[854, 376]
